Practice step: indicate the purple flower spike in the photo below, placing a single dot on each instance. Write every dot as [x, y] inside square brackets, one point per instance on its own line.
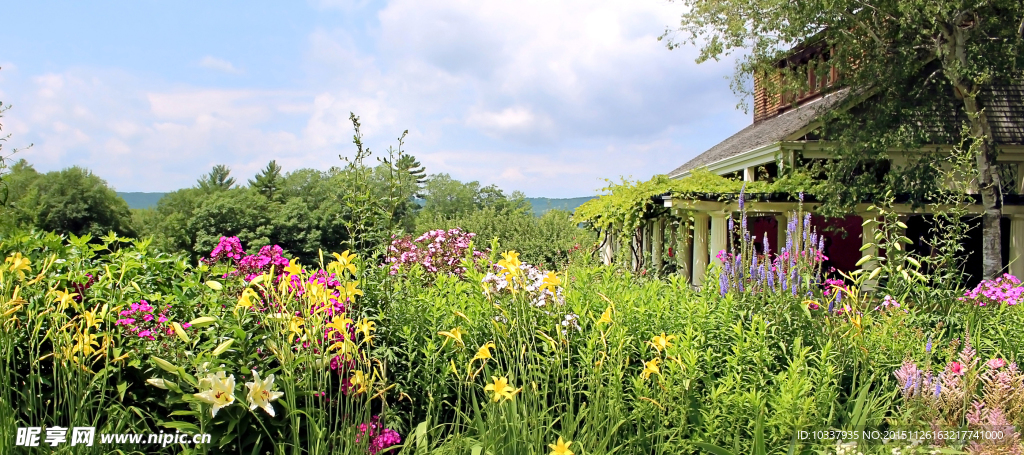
[723, 284]
[767, 248]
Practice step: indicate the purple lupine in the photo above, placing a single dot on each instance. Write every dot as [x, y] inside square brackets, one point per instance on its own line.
[739, 268]
[807, 225]
[928, 346]
[767, 248]
[762, 276]
[723, 284]
[732, 224]
[742, 190]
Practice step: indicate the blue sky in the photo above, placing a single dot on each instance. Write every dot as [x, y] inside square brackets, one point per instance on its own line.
[548, 98]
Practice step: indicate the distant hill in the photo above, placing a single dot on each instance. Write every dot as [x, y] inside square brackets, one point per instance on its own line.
[141, 200]
[540, 204]
[543, 204]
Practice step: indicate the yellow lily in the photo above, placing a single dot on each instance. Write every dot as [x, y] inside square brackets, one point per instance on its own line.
[650, 367]
[340, 324]
[500, 388]
[484, 352]
[343, 263]
[661, 342]
[295, 326]
[245, 300]
[351, 291]
[455, 334]
[19, 265]
[63, 299]
[561, 447]
[606, 317]
[365, 327]
[293, 268]
[551, 282]
[358, 381]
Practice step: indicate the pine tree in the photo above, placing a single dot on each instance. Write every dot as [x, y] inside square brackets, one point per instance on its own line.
[268, 181]
[218, 179]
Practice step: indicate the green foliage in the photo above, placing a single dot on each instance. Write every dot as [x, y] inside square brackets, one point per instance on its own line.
[268, 181]
[218, 179]
[550, 239]
[71, 201]
[624, 205]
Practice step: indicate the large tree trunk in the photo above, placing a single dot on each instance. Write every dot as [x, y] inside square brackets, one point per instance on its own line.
[955, 60]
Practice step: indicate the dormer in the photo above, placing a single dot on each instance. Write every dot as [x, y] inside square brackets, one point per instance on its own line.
[809, 61]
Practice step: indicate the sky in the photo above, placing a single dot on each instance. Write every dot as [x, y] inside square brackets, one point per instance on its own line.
[547, 98]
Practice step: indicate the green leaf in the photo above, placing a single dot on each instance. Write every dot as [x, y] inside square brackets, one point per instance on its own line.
[183, 426]
[712, 448]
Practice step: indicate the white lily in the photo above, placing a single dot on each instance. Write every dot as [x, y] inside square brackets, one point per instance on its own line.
[260, 394]
[217, 390]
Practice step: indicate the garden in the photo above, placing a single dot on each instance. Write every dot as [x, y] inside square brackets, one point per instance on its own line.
[446, 342]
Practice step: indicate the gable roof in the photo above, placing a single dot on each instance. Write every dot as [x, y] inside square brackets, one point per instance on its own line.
[1004, 104]
[765, 132]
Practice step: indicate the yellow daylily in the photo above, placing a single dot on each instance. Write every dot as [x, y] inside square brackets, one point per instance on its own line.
[293, 268]
[661, 342]
[351, 291]
[510, 263]
[63, 299]
[340, 324]
[217, 390]
[500, 388]
[561, 447]
[358, 381]
[346, 348]
[19, 265]
[245, 300]
[455, 334]
[606, 317]
[295, 326]
[650, 367]
[343, 263]
[85, 343]
[90, 319]
[484, 352]
[551, 282]
[260, 394]
[365, 327]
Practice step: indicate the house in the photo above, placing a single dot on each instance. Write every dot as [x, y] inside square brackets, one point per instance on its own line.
[782, 136]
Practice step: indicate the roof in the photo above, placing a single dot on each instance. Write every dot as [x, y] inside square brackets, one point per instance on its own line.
[765, 132]
[1004, 104]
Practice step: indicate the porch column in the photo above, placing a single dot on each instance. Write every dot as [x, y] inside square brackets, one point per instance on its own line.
[657, 258]
[608, 250]
[700, 247]
[748, 174]
[1017, 246]
[719, 235]
[780, 237]
[648, 229]
[684, 251]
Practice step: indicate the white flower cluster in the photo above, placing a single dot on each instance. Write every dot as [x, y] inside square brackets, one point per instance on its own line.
[529, 279]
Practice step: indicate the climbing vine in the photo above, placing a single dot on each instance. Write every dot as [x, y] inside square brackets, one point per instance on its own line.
[625, 205]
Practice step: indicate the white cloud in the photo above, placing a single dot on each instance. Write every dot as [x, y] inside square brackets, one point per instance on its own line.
[544, 97]
[214, 63]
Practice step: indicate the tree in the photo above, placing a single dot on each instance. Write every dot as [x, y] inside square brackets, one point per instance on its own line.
[268, 181]
[967, 45]
[218, 179]
[74, 201]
